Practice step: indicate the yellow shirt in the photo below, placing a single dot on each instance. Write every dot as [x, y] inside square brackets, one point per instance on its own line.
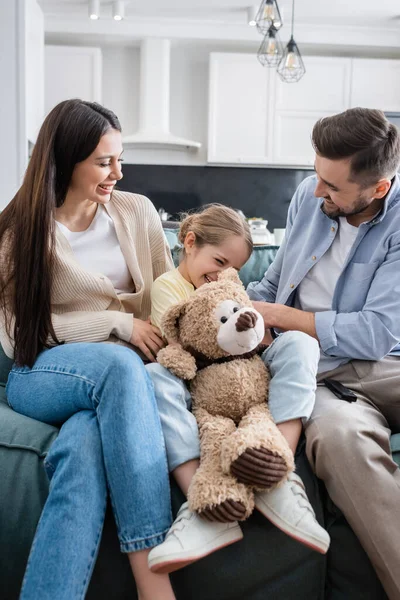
[167, 290]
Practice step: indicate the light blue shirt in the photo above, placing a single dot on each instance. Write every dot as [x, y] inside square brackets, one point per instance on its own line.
[364, 322]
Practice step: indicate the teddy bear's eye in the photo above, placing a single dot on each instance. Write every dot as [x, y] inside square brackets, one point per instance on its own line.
[235, 309]
[224, 319]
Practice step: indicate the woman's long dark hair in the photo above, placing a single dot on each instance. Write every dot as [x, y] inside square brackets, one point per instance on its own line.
[69, 134]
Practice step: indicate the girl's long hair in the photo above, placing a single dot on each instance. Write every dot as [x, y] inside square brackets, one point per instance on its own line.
[69, 134]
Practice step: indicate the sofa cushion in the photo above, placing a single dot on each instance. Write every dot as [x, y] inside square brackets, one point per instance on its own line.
[5, 367]
[395, 445]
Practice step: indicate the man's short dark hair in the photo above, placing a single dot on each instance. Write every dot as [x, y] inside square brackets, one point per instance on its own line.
[366, 137]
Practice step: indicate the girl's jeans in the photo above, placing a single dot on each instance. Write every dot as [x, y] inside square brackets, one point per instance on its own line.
[292, 359]
[110, 442]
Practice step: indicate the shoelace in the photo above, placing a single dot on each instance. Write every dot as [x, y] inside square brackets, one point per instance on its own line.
[178, 524]
[298, 489]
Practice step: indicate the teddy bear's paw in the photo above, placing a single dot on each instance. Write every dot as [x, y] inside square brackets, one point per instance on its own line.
[262, 435]
[228, 512]
[209, 490]
[260, 468]
[178, 361]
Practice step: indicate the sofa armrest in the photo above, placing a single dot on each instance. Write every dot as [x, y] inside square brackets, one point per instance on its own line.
[24, 443]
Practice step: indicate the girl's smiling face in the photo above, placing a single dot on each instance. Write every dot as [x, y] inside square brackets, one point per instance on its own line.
[202, 264]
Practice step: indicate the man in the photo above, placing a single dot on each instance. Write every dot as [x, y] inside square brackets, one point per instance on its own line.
[336, 277]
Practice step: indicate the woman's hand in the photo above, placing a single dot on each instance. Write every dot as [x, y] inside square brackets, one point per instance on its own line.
[147, 338]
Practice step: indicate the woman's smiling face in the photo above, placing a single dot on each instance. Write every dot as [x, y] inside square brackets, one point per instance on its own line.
[94, 178]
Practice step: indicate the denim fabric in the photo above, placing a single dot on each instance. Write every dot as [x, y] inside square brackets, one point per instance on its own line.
[364, 321]
[110, 441]
[292, 359]
[293, 362]
[178, 423]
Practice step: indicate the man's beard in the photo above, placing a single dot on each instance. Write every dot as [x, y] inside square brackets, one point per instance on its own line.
[359, 206]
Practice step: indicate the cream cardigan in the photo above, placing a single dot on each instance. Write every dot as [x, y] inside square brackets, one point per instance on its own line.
[85, 306]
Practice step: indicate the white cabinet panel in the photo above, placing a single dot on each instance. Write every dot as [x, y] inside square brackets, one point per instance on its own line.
[292, 137]
[324, 90]
[376, 84]
[239, 101]
[324, 87]
[72, 72]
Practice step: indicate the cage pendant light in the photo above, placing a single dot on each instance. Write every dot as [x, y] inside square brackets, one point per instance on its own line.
[268, 14]
[271, 50]
[291, 66]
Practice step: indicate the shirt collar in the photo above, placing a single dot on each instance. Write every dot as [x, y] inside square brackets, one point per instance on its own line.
[392, 198]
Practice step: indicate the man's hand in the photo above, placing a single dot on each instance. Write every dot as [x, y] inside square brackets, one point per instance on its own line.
[267, 339]
[147, 338]
[286, 318]
[268, 312]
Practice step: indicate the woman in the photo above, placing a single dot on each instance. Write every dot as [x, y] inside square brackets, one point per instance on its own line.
[77, 263]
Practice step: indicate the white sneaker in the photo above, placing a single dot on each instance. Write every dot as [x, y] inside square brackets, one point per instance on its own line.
[289, 509]
[189, 539]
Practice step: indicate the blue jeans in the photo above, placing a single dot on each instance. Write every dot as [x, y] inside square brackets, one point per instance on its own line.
[292, 359]
[110, 442]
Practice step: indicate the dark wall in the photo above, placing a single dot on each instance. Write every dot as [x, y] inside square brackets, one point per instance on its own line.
[258, 192]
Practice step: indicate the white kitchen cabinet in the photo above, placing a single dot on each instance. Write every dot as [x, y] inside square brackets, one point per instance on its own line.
[324, 90]
[72, 72]
[375, 83]
[240, 98]
[255, 118]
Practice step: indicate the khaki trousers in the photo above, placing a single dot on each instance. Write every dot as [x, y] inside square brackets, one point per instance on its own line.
[348, 446]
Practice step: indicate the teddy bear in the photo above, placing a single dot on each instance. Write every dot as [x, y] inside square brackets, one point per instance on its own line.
[214, 340]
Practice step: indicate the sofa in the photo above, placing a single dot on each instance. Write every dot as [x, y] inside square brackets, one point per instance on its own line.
[265, 564]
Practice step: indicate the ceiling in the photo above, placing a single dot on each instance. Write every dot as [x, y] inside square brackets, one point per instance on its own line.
[380, 14]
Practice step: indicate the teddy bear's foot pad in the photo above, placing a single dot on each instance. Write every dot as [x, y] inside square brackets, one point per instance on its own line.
[227, 511]
[259, 468]
[190, 539]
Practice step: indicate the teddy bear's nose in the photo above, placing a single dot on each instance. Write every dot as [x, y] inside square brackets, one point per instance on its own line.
[246, 321]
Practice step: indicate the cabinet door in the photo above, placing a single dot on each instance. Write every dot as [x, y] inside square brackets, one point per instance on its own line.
[239, 106]
[376, 84]
[324, 90]
[72, 72]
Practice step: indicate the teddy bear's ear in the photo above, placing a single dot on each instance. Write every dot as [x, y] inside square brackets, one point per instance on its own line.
[229, 275]
[170, 321]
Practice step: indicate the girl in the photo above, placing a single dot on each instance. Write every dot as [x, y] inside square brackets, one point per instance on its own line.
[77, 263]
[213, 240]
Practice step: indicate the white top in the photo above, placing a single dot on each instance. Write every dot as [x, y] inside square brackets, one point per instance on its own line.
[315, 292]
[97, 250]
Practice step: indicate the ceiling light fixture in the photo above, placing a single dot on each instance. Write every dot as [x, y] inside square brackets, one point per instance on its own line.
[268, 14]
[251, 15]
[118, 10]
[271, 49]
[291, 67]
[94, 9]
